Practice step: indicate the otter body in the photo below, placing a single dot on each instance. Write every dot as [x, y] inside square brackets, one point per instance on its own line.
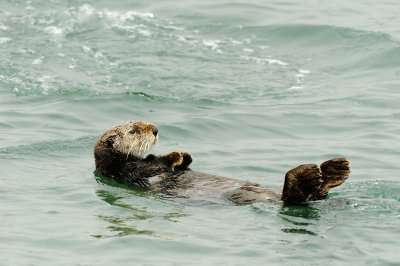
[193, 184]
[120, 153]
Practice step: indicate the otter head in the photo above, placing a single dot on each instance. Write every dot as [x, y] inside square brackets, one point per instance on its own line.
[134, 138]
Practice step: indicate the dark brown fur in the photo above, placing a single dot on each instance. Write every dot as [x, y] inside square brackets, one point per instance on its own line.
[170, 173]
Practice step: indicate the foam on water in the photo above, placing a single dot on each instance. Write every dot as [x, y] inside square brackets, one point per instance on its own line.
[72, 21]
[4, 40]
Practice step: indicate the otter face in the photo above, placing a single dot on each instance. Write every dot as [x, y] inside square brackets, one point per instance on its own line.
[133, 138]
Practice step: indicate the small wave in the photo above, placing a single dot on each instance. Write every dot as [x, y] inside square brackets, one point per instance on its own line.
[145, 95]
[3, 27]
[376, 189]
[264, 61]
[212, 44]
[299, 78]
[4, 40]
[322, 34]
[54, 148]
[24, 84]
[54, 30]
[193, 100]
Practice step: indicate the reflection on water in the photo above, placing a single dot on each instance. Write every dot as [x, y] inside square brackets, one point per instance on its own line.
[111, 182]
[136, 210]
[300, 219]
[110, 198]
[298, 231]
[120, 226]
[305, 211]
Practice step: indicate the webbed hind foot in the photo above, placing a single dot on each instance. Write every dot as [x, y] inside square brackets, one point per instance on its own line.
[301, 182]
[310, 182]
[334, 173]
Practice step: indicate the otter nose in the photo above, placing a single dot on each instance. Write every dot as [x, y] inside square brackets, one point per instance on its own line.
[155, 131]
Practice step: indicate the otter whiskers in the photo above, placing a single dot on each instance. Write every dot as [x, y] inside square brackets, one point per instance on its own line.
[138, 150]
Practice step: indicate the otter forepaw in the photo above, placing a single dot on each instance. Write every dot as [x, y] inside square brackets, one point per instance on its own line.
[174, 158]
[187, 160]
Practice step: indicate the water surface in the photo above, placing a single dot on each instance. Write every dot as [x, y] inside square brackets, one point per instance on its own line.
[250, 89]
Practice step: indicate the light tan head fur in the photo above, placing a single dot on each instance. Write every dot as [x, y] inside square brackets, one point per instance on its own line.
[133, 138]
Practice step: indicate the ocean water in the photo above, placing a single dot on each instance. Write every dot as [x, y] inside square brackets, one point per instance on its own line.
[251, 89]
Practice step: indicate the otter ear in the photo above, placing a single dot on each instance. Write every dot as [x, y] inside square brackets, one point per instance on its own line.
[111, 140]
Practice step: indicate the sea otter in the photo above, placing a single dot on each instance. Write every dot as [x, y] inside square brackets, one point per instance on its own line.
[121, 154]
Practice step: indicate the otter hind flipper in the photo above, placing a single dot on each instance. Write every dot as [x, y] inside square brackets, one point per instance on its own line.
[301, 183]
[334, 173]
[310, 182]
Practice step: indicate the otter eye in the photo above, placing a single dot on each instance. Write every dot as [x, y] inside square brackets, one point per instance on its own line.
[132, 131]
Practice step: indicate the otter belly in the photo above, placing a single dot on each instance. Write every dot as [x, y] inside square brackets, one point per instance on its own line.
[202, 186]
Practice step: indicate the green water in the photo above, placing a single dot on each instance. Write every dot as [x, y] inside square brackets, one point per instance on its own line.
[250, 89]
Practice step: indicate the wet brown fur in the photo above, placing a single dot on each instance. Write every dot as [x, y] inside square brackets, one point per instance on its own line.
[120, 153]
